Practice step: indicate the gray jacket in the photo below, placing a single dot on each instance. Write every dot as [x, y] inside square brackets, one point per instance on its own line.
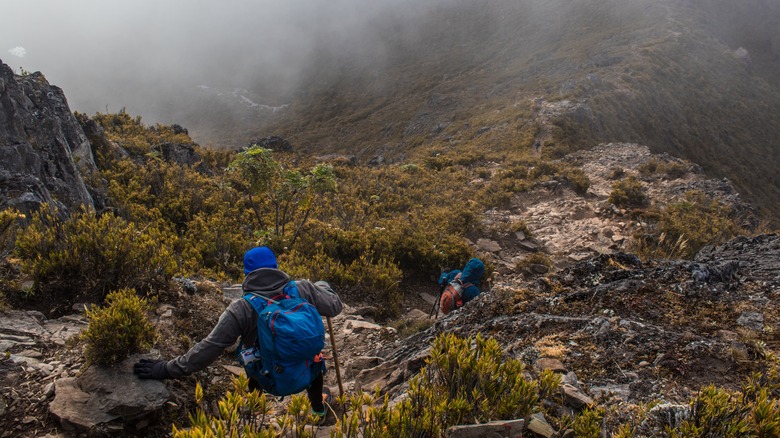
[240, 319]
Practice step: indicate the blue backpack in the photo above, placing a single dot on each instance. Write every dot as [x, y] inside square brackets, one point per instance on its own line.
[286, 357]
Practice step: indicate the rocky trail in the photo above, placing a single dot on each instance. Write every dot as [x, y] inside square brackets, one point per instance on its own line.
[621, 332]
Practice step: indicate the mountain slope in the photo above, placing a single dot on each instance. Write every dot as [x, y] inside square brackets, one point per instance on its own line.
[473, 75]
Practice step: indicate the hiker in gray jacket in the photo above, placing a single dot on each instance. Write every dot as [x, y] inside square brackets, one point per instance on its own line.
[240, 320]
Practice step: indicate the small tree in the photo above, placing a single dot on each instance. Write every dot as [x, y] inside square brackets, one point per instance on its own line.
[288, 194]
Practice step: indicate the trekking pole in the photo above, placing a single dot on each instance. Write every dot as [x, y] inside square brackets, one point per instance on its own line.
[436, 303]
[335, 356]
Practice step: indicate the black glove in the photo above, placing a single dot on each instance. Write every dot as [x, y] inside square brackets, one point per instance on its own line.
[151, 369]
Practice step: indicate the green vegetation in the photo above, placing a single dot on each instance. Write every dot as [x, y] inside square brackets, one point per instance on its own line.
[465, 381]
[628, 192]
[684, 227]
[247, 414]
[118, 329]
[470, 381]
[363, 229]
[9, 229]
[672, 170]
[86, 256]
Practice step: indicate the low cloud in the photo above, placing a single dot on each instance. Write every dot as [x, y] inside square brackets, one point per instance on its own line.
[18, 51]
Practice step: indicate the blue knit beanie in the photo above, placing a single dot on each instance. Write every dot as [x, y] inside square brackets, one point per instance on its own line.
[259, 257]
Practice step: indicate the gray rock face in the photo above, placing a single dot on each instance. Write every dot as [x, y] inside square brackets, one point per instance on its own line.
[42, 146]
[106, 395]
[183, 154]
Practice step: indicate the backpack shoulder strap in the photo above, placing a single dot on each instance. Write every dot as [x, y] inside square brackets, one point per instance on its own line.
[291, 290]
[257, 302]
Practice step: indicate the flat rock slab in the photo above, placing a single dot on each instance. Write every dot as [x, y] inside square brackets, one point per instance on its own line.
[19, 322]
[102, 395]
[359, 326]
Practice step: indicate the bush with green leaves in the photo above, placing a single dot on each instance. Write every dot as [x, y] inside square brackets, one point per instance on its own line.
[465, 381]
[10, 221]
[752, 412]
[628, 192]
[248, 414]
[362, 279]
[85, 256]
[118, 329]
[686, 226]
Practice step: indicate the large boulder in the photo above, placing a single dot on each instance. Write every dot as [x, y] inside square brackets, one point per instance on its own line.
[42, 147]
[102, 397]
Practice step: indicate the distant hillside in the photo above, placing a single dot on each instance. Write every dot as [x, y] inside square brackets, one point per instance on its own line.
[503, 75]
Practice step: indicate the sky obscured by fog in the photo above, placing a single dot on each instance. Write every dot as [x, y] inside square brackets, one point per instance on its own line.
[145, 54]
[110, 54]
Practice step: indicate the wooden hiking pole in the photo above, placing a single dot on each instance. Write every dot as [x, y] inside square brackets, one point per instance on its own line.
[335, 356]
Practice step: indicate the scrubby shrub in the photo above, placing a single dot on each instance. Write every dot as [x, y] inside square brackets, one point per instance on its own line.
[469, 380]
[213, 245]
[719, 412]
[9, 229]
[579, 181]
[649, 167]
[86, 256]
[136, 138]
[465, 381]
[587, 424]
[410, 168]
[672, 170]
[361, 279]
[628, 192]
[248, 414]
[686, 226]
[118, 329]
[699, 220]
[616, 173]
[675, 170]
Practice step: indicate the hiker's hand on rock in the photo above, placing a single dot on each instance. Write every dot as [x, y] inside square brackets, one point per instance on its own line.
[151, 369]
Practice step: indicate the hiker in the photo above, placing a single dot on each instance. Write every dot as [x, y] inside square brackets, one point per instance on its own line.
[459, 287]
[265, 281]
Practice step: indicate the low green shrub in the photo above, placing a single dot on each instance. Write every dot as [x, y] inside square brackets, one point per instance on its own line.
[686, 226]
[628, 192]
[578, 181]
[465, 381]
[587, 424]
[672, 170]
[248, 414]
[723, 413]
[9, 230]
[118, 329]
[616, 173]
[362, 279]
[86, 256]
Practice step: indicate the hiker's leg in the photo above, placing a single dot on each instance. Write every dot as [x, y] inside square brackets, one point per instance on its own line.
[315, 394]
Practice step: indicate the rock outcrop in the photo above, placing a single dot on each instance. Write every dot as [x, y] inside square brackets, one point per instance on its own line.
[104, 397]
[42, 147]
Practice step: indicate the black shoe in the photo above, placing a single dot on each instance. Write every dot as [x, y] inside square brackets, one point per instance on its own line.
[325, 417]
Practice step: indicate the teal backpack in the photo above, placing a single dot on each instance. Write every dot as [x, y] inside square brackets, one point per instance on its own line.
[286, 357]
